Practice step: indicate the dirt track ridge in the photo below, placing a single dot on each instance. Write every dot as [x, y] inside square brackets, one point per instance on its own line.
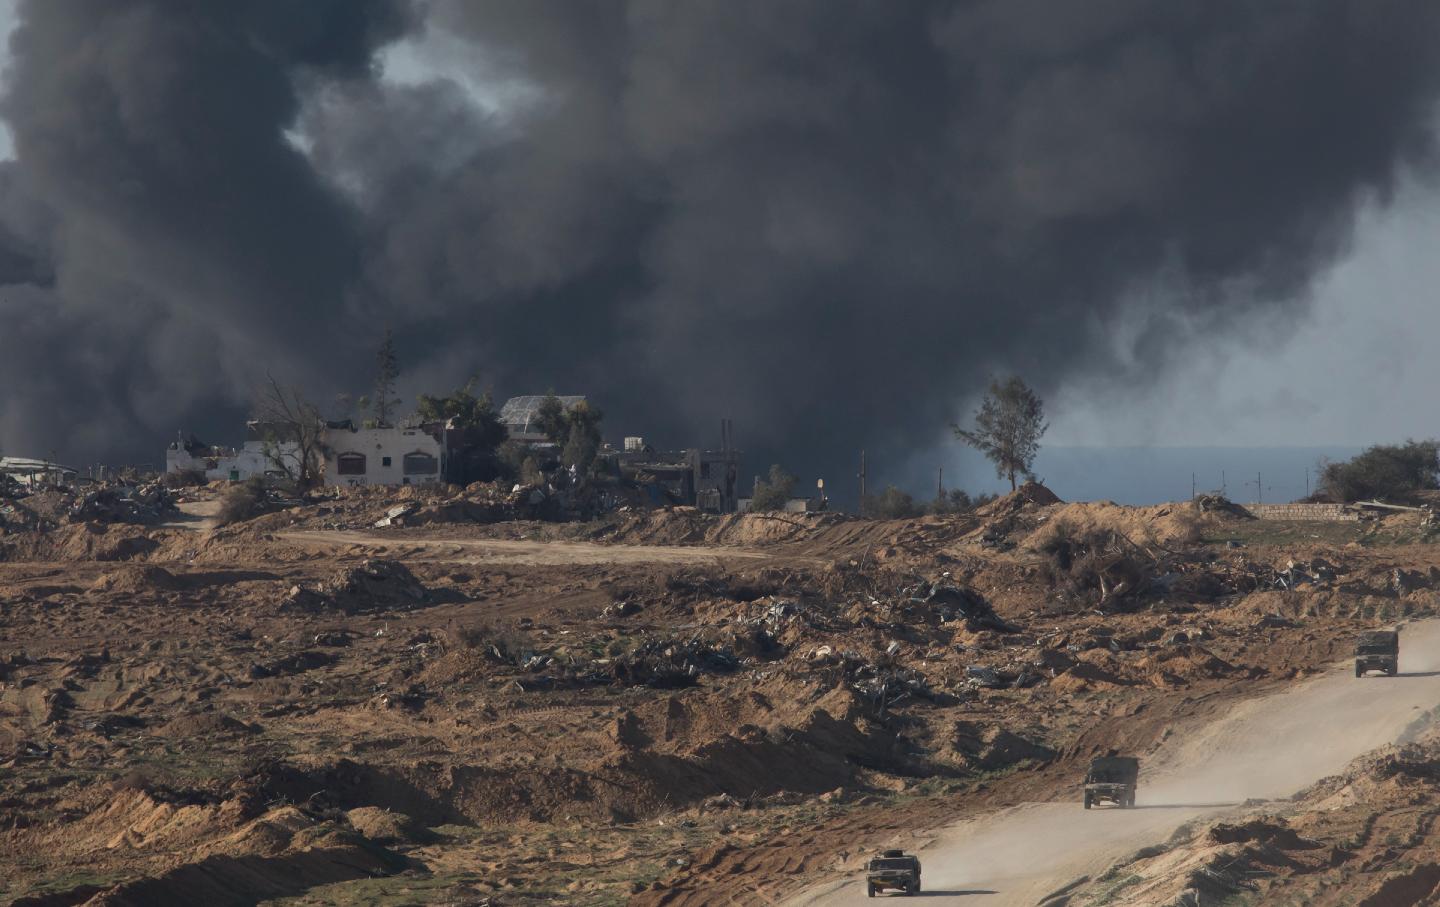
[1265, 748]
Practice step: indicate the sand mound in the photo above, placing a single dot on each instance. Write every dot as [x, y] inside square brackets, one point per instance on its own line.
[1165, 524]
[384, 826]
[372, 585]
[1085, 677]
[205, 724]
[138, 578]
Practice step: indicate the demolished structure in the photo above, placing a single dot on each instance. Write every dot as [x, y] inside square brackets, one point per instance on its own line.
[425, 453]
[394, 455]
[30, 472]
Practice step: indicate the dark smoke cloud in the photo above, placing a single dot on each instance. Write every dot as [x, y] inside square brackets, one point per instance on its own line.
[829, 221]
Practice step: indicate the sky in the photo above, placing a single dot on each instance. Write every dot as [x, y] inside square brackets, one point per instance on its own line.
[1190, 230]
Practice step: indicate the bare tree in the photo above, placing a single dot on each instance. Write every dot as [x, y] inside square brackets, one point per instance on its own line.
[1008, 426]
[293, 433]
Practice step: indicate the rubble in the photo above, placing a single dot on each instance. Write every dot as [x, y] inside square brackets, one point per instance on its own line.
[884, 668]
[373, 585]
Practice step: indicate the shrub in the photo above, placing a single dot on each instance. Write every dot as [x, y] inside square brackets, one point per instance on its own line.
[242, 502]
[774, 493]
[1093, 565]
[185, 478]
[891, 504]
[957, 501]
[1387, 472]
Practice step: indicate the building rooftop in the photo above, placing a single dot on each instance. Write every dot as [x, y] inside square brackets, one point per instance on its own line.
[21, 466]
[518, 413]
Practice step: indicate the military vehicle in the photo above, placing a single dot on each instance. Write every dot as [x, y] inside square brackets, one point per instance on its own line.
[1378, 650]
[1112, 779]
[893, 870]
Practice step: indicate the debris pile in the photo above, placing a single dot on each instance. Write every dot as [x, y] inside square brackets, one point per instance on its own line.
[123, 504]
[108, 503]
[372, 585]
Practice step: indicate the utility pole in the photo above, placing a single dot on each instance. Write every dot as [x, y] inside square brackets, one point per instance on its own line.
[1259, 490]
[940, 486]
[1307, 481]
[1192, 486]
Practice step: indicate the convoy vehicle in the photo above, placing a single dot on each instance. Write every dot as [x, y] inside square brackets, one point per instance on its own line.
[1112, 779]
[893, 870]
[1378, 650]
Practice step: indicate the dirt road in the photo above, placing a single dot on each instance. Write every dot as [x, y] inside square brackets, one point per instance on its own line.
[196, 515]
[504, 551]
[1265, 748]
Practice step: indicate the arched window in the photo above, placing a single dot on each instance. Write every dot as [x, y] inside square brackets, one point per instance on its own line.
[421, 464]
[350, 464]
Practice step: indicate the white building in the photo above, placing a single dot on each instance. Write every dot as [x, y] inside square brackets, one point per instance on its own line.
[382, 456]
[353, 456]
[221, 463]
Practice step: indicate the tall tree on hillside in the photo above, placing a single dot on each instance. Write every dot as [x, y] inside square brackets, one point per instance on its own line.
[387, 370]
[1008, 426]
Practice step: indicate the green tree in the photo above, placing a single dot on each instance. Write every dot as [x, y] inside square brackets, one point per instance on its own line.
[582, 437]
[1385, 471]
[387, 371]
[773, 493]
[957, 500]
[575, 429]
[476, 456]
[891, 504]
[466, 411]
[550, 419]
[1008, 427]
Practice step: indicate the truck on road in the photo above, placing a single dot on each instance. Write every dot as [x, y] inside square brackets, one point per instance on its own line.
[1112, 779]
[1378, 650]
[893, 870]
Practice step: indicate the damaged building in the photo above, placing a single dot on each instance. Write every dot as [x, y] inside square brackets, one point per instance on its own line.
[704, 479]
[394, 455]
[397, 455]
[415, 453]
[221, 464]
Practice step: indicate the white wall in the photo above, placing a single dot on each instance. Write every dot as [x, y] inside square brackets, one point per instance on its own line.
[247, 462]
[376, 444]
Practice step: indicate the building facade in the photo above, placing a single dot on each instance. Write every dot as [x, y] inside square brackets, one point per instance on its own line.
[382, 456]
[220, 464]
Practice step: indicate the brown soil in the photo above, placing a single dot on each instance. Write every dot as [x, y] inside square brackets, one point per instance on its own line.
[664, 707]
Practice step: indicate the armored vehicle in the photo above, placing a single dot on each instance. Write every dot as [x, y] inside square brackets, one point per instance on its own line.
[893, 870]
[1378, 650]
[1112, 779]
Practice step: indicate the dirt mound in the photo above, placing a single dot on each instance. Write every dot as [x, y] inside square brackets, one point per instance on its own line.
[1163, 525]
[1183, 663]
[384, 826]
[685, 526]
[1031, 494]
[280, 855]
[203, 725]
[1085, 677]
[991, 748]
[136, 579]
[102, 542]
[373, 585]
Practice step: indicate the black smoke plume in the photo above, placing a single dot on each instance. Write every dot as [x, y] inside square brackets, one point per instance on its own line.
[829, 221]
